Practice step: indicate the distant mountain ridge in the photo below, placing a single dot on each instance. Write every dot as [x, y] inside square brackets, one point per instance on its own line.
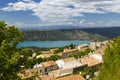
[72, 34]
[110, 32]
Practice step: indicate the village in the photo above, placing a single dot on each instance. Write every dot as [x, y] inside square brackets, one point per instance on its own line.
[69, 66]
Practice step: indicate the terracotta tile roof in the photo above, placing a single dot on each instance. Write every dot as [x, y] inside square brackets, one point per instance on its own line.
[69, 59]
[49, 63]
[72, 77]
[90, 61]
[47, 55]
[24, 74]
[83, 45]
[45, 77]
[44, 55]
[70, 50]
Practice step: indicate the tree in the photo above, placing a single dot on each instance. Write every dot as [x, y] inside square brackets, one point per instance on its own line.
[110, 69]
[59, 50]
[72, 46]
[10, 58]
[54, 57]
[88, 50]
[88, 71]
[81, 53]
[39, 60]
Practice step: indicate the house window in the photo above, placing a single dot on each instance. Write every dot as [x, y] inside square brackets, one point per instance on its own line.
[40, 71]
[45, 69]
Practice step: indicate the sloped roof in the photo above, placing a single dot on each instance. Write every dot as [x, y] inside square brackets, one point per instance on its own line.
[72, 77]
[49, 63]
[90, 61]
[45, 77]
[69, 59]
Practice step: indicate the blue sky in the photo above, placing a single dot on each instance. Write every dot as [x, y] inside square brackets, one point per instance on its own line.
[45, 13]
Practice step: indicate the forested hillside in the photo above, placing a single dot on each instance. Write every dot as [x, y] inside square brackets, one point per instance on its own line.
[110, 32]
[72, 34]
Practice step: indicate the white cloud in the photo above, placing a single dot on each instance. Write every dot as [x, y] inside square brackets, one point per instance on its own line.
[64, 11]
[113, 21]
[18, 6]
[27, 25]
[26, 0]
[82, 21]
[101, 22]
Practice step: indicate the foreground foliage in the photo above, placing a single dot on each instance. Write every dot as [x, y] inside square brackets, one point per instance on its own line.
[111, 66]
[10, 58]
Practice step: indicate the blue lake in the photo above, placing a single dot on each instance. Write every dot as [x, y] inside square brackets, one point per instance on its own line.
[51, 44]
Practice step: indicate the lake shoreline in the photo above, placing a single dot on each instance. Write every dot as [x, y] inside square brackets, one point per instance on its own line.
[52, 44]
